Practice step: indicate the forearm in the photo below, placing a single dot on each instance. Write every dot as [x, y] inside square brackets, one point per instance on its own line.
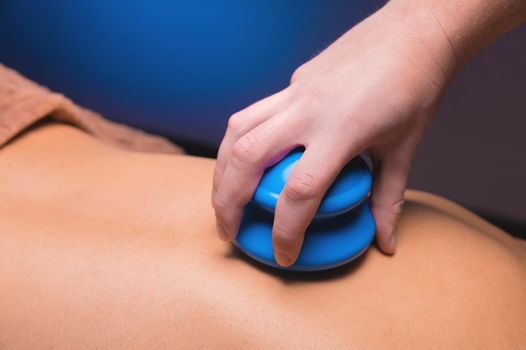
[468, 25]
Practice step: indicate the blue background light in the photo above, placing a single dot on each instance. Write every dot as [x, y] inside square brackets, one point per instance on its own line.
[178, 68]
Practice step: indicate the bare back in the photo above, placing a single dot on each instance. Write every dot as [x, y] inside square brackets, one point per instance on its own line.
[103, 248]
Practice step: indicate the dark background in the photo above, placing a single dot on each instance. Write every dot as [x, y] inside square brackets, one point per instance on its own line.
[475, 151]
[180, 68]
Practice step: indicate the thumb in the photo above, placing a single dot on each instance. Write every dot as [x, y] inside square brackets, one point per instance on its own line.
[387, 197]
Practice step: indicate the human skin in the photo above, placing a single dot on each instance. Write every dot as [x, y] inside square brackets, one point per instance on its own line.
[374, 90]
[102, 248]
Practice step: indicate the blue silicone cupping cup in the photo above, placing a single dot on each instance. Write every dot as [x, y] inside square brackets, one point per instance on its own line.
[342, 229]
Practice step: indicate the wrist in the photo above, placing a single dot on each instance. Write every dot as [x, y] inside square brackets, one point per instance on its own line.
[422, 38]
[467, 25]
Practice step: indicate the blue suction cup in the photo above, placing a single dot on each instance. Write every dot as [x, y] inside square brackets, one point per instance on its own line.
[342, 229]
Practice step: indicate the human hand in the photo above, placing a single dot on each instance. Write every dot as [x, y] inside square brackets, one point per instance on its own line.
[374, 90]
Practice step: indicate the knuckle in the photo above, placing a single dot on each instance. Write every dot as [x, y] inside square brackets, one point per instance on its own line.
[392, 209]
[235, 123]
[246, 149]
[398, 207]
[302, 187]
[297, 74]
[219, 203]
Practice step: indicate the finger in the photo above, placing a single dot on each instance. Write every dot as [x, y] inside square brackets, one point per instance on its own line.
[387, 197]
[251, 154]
[301, 197]
[242, 122]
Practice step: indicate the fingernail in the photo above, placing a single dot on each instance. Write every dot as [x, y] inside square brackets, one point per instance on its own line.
[283, 259]
[221, 232]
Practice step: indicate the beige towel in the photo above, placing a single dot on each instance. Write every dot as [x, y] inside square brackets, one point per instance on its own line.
[23, 102]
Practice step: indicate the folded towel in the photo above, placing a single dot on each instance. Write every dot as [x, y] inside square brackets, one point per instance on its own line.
[23, 102]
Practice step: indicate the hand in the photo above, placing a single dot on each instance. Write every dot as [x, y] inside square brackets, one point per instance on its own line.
[373, 90]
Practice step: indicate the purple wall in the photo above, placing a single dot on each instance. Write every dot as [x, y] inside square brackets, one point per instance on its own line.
[475, 151]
